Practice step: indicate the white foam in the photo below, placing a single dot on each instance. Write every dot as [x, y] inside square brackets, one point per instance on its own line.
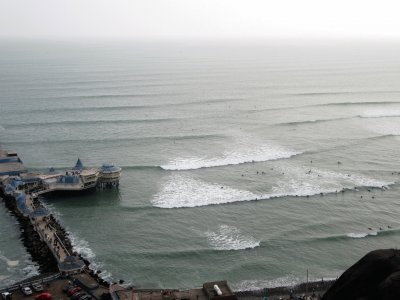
[31, 270]
[242, 154]
[380, 113]
[10, 263]
[184, 191]
[298, 182]
[356, 235]
[361, 235]
[230, 238]
[81, 246]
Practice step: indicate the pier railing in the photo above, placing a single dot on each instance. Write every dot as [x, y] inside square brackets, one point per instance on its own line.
[50, 243]
[17, 286]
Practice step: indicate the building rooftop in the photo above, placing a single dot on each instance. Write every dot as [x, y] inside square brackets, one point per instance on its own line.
[11, 168]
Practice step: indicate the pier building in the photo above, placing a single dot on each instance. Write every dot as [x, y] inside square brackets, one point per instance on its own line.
[109, 175]
[78, 178]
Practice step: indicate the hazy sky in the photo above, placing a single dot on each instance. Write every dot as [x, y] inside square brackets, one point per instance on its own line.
[199, 18]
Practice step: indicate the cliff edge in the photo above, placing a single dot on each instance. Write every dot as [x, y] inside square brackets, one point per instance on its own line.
[375, 276]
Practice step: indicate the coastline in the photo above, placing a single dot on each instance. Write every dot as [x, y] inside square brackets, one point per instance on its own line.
[54, 282]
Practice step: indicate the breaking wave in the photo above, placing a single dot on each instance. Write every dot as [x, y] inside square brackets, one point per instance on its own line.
[31, 270]
[361, 235]
[181, 191]
[235, 157]
[184, 191]
[82, 247]
[299, 182]
[230, 238]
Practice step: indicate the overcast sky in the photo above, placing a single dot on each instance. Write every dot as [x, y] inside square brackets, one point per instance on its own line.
[199, 18]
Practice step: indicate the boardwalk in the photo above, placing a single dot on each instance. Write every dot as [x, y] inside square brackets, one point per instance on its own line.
[48, 234]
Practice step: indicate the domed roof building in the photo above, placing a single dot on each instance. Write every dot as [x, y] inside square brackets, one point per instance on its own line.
[109, 175]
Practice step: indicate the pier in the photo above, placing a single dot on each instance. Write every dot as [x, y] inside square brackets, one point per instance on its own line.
[42, 233]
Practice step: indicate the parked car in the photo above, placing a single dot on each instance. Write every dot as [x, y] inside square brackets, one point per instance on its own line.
[37, 287]
[76, 296]
[44, 296]
[73, 291]
[26, 290]
[6, 296]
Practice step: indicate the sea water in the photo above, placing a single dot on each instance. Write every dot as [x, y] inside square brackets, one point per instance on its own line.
[251, 161]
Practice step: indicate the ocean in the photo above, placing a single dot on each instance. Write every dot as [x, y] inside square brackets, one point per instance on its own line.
[250, 161]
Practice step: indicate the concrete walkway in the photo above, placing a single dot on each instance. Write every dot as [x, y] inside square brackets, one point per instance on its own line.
[48, 234]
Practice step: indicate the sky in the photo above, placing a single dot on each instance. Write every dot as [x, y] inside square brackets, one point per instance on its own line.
[199, 18]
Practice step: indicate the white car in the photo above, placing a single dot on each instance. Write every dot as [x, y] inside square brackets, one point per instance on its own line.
[26, 290]
[6, 296]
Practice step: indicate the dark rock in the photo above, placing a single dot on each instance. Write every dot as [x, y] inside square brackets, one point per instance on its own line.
[376, 276]
[390, 288]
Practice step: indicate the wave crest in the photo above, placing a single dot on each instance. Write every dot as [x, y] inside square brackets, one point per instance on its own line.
[380, 113]
[230, 238]
[183, 191]
[236, 157]
[361, 235]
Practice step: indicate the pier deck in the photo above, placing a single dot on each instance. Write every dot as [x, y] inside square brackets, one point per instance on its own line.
[48, 234]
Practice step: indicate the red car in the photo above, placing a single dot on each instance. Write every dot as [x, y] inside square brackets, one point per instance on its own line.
[73, 291]
[43, 296]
